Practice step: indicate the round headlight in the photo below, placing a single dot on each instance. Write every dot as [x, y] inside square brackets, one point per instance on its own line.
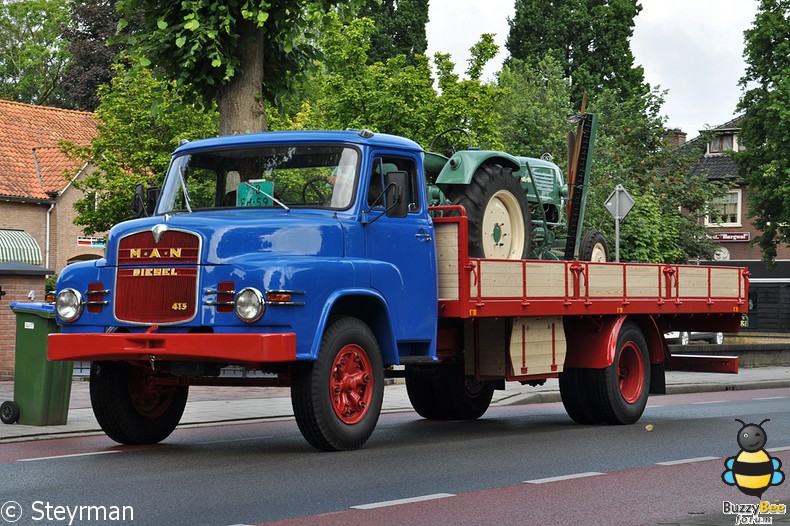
[68, 304]
[250, 305]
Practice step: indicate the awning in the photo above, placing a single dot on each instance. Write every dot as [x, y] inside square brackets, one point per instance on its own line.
[18, 245]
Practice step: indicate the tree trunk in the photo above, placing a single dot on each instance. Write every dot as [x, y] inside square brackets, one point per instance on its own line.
[240, 101]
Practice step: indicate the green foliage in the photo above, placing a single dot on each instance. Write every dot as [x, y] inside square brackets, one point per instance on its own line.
[400, 29]
[214, 46]
[141, 119]
[765, 128]
[394, 96]
[590, 38]
[534, 106]
[665, 224]
[32, 52]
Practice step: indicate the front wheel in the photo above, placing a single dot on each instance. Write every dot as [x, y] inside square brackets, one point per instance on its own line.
[337, 399]
[620, 391]
[130, 408]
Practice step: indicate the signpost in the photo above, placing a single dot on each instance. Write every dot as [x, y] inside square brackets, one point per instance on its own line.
[619, 203]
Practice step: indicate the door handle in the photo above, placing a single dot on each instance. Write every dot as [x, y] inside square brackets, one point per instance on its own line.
[423, 237]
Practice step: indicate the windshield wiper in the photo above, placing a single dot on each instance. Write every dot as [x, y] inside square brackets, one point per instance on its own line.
[274, 199]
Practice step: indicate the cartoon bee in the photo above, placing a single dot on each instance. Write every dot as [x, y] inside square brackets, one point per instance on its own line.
[752, 470]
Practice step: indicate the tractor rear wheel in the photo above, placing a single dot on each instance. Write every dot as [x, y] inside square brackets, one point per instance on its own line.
[496, 207]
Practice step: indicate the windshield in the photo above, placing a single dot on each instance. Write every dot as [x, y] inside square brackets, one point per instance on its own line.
[273, 176]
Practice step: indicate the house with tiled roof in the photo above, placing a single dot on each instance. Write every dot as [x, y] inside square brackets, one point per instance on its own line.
[734, 232]
[36, 185]
[37, 231]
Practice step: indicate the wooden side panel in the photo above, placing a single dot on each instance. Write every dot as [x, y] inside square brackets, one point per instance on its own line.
[692, 282]
[537, 345]
[607, 281]
[505, 279]
[490, 343]
[725, 282]
[447, 259]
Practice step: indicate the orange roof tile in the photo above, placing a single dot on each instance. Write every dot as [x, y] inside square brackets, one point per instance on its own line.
[25, 129]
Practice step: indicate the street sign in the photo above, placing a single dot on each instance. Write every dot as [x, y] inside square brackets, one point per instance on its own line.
[619, 202]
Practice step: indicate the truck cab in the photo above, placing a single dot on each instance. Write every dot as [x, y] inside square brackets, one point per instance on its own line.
[257, 244]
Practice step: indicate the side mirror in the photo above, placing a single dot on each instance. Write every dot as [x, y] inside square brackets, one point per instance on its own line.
[138, 204]
[396, 183]
[151, 197]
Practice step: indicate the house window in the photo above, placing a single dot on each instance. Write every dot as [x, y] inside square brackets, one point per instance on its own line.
[722, 143]
[725, 211]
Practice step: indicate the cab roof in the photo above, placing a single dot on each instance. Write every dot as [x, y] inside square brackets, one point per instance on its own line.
[359, 137]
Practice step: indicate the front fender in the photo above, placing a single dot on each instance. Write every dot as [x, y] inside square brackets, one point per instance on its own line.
[461, 167]
[367, 305]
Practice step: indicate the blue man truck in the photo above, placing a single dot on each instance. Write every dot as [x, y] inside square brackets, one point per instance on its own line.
[317, 258]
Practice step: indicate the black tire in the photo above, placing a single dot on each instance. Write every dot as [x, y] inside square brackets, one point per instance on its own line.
[422, 395]
[346, 419]
[619, 392]
[467, 398]
[575, 394]
[445, 393]
[593, 247]
[492, 196]
[129, 409]
[9, 412]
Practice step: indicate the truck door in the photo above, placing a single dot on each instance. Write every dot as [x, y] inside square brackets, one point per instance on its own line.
[402, 255]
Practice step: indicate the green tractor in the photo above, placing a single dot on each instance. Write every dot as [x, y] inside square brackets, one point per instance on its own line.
[517, 206]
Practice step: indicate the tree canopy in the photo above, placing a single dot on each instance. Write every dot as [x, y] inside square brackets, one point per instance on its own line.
[141, 119]
[33, 54]
[765, 128]
[237, 53]
[590, 38]
[399, 28]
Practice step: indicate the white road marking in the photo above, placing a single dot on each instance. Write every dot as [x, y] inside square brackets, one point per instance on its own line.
[69, 456]
[784, 448]
[563, 477]
[397, 502]
[709, 402]
[685, 461]
[770, 398]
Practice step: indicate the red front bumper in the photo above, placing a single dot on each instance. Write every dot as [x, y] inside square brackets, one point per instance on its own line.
[232, 348]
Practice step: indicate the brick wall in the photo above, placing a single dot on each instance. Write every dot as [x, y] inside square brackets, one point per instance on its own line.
[16, 288]
[64, 232]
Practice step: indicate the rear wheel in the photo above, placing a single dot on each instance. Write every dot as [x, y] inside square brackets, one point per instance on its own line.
[130, 408]
[337, 399]
[593, 247]
[445, 393]
[422, 395]
[496, 206]
[619, 392]
[575, 394]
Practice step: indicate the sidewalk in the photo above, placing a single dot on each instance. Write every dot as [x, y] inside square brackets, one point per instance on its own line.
[224, 405]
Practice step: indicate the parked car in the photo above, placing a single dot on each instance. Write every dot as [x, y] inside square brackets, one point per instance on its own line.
[683, 338]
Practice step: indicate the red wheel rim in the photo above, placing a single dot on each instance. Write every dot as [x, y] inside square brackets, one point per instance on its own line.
[351, 384]
[631, 372]
[149, 400]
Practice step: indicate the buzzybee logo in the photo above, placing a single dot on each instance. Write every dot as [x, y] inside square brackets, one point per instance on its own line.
[752, 470]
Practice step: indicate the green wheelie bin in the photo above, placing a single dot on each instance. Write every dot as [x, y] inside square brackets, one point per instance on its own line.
[42, 389]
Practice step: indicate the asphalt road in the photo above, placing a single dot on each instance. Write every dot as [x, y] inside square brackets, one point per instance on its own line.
[527, 464]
